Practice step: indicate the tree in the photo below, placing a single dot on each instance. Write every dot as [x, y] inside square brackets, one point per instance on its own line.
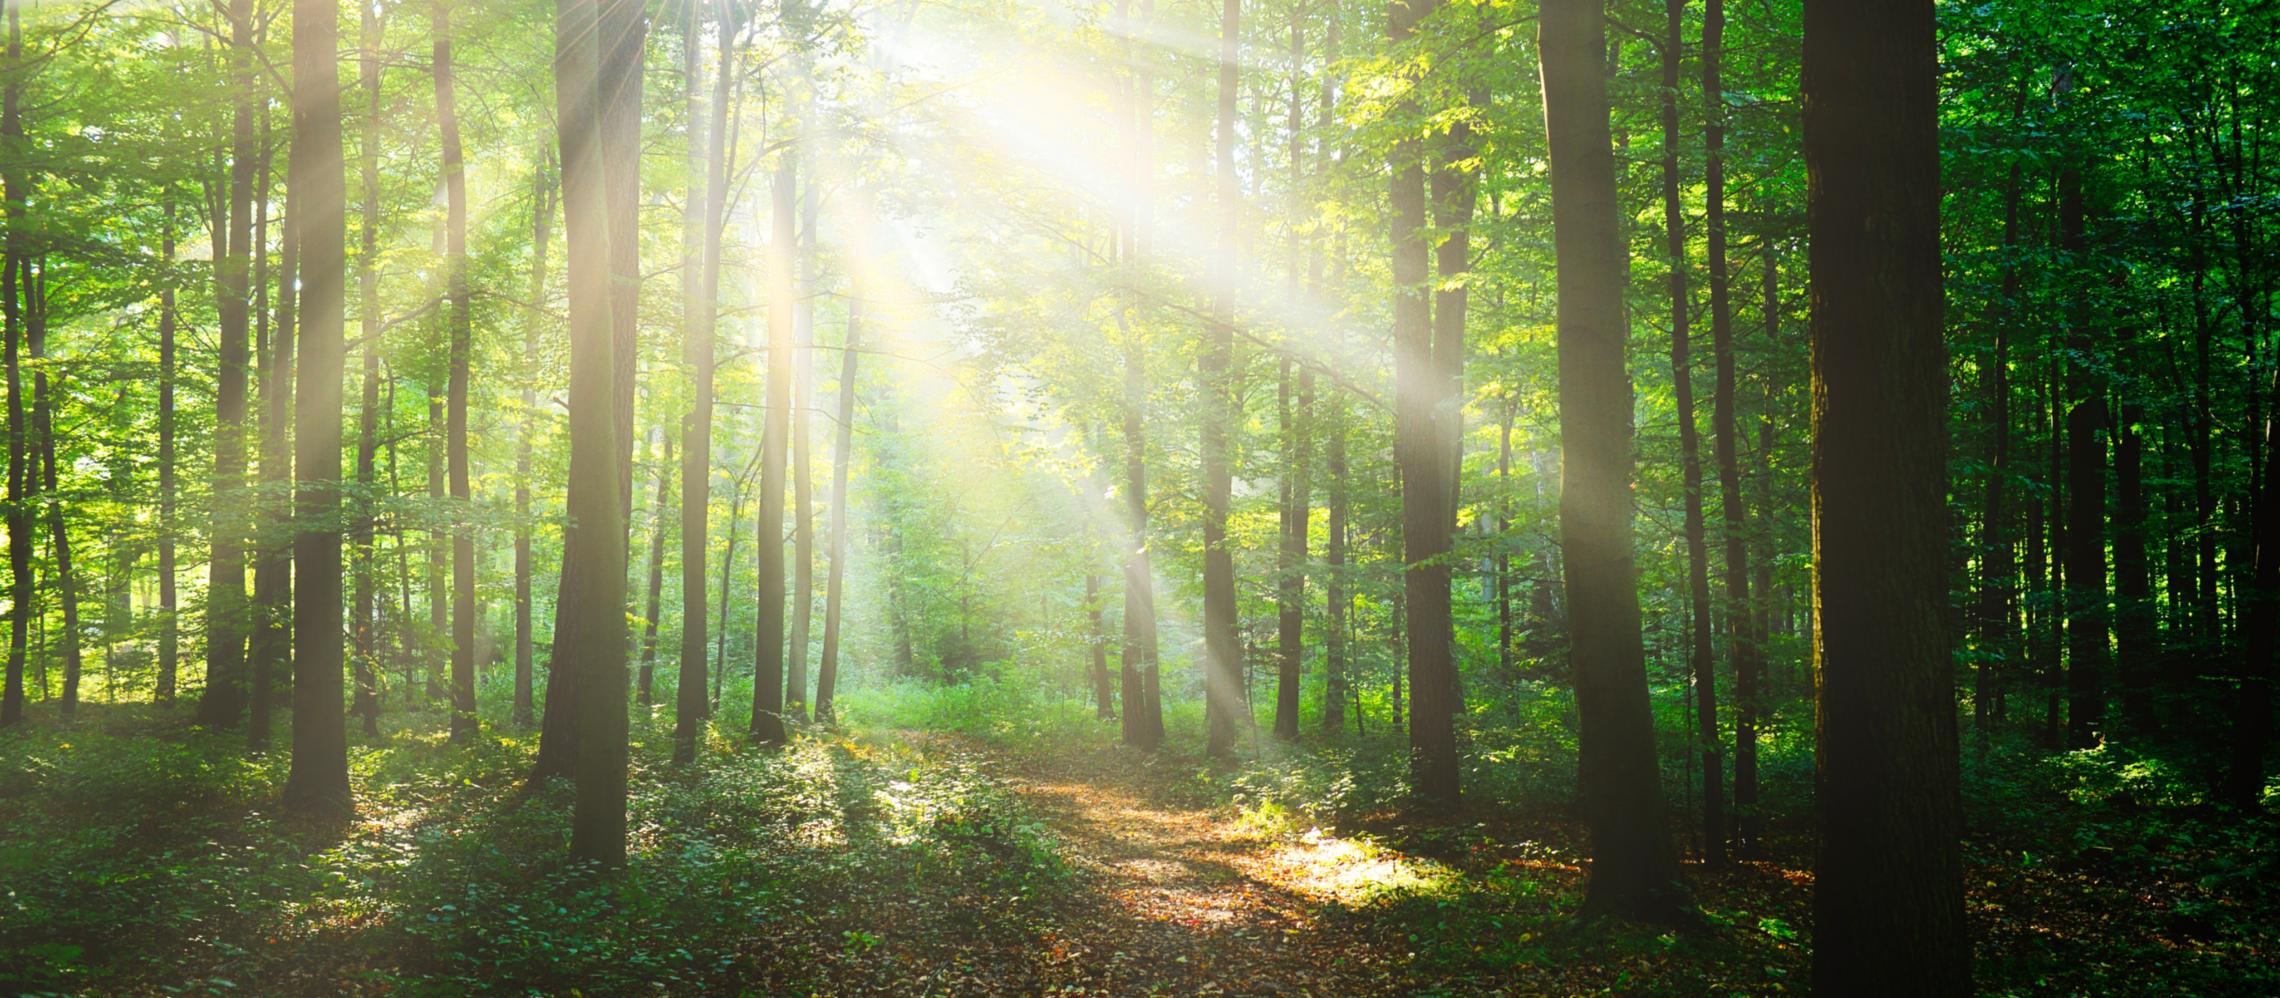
[223, 705]
[652, 607]
[589, 648]
[768, 664]
[319, 776]
[12, 276]
[699, 316]
[835, 577]
[1634, 870]
[464, 725]
[543, 196]
[1888, 885]
[1222, 652]
[363, 615]
[1699, 660]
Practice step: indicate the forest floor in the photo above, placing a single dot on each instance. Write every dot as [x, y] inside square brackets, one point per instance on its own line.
[141, 856]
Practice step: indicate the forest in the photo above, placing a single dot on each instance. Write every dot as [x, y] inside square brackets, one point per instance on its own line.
[1140, 497]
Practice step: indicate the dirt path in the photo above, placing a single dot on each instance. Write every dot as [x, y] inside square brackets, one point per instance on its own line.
[1183, 900]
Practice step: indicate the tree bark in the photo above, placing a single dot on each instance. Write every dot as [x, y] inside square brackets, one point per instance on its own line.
[1634, 870]
[589, 648]
[543, 196]
[169, 633]
[319, 776]
[768, 657]
[223, 705]
[1888, 894]
[363, 621]
[654, 605]
[842, 451]
[270, 646]
[464, 724]
[1699, 662]
[700, 314]
[803, 488]
[2086, 619]
[1222, 652]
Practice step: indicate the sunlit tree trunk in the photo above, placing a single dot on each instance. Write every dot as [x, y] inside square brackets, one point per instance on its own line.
[835, 577]
[589, 647]
[1634, 869]
[709, 211]
[1297, 428]
[271, 642]
[363, 623]
[1699, 661]
[435, 654]
[768, 660]
[59, 534]
[464, 725]
[803, 489]
[1222, 652]
[319, 776]
[1888, 889]
[169, 635]
[653, 606]
[223, 704]
[1424, 445]
[1338, 606]
[1143, 725]
[543, 195]
[623, 34]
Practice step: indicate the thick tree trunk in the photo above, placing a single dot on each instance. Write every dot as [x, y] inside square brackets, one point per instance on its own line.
[1634, 870]
[623, 33]
[1888, 895]
[1419, 454]
[768, 657]
[464, 724]
[589, 647]
[835, 577]
[1223, 700]
[223, 705]
[319, 777]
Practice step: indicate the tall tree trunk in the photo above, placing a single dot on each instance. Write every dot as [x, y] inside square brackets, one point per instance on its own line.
[1418, 451]
[1338, 606]
[803, 463]
[223, 705]
[1699, 662]
[700, 317]
[1888, 893]
[835, 577]
[12, 274]
[1697, 552]
[2243, 781]
[319, 205]
[271, 643]
[2136, 626]
[1506, 666]
[654, 606]
[1742, 640]
[1297, 430]
[2086, 623]
[623, 33]
[543, 195]
[1138, 675]
[1096, 645]
[1996, 638]
[1634, 870]
[169, 633]
[768, 661]
[44, 405]
[1222, 650]
[464, 724]
[589, 647]
[438, 549]
[364, 618]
